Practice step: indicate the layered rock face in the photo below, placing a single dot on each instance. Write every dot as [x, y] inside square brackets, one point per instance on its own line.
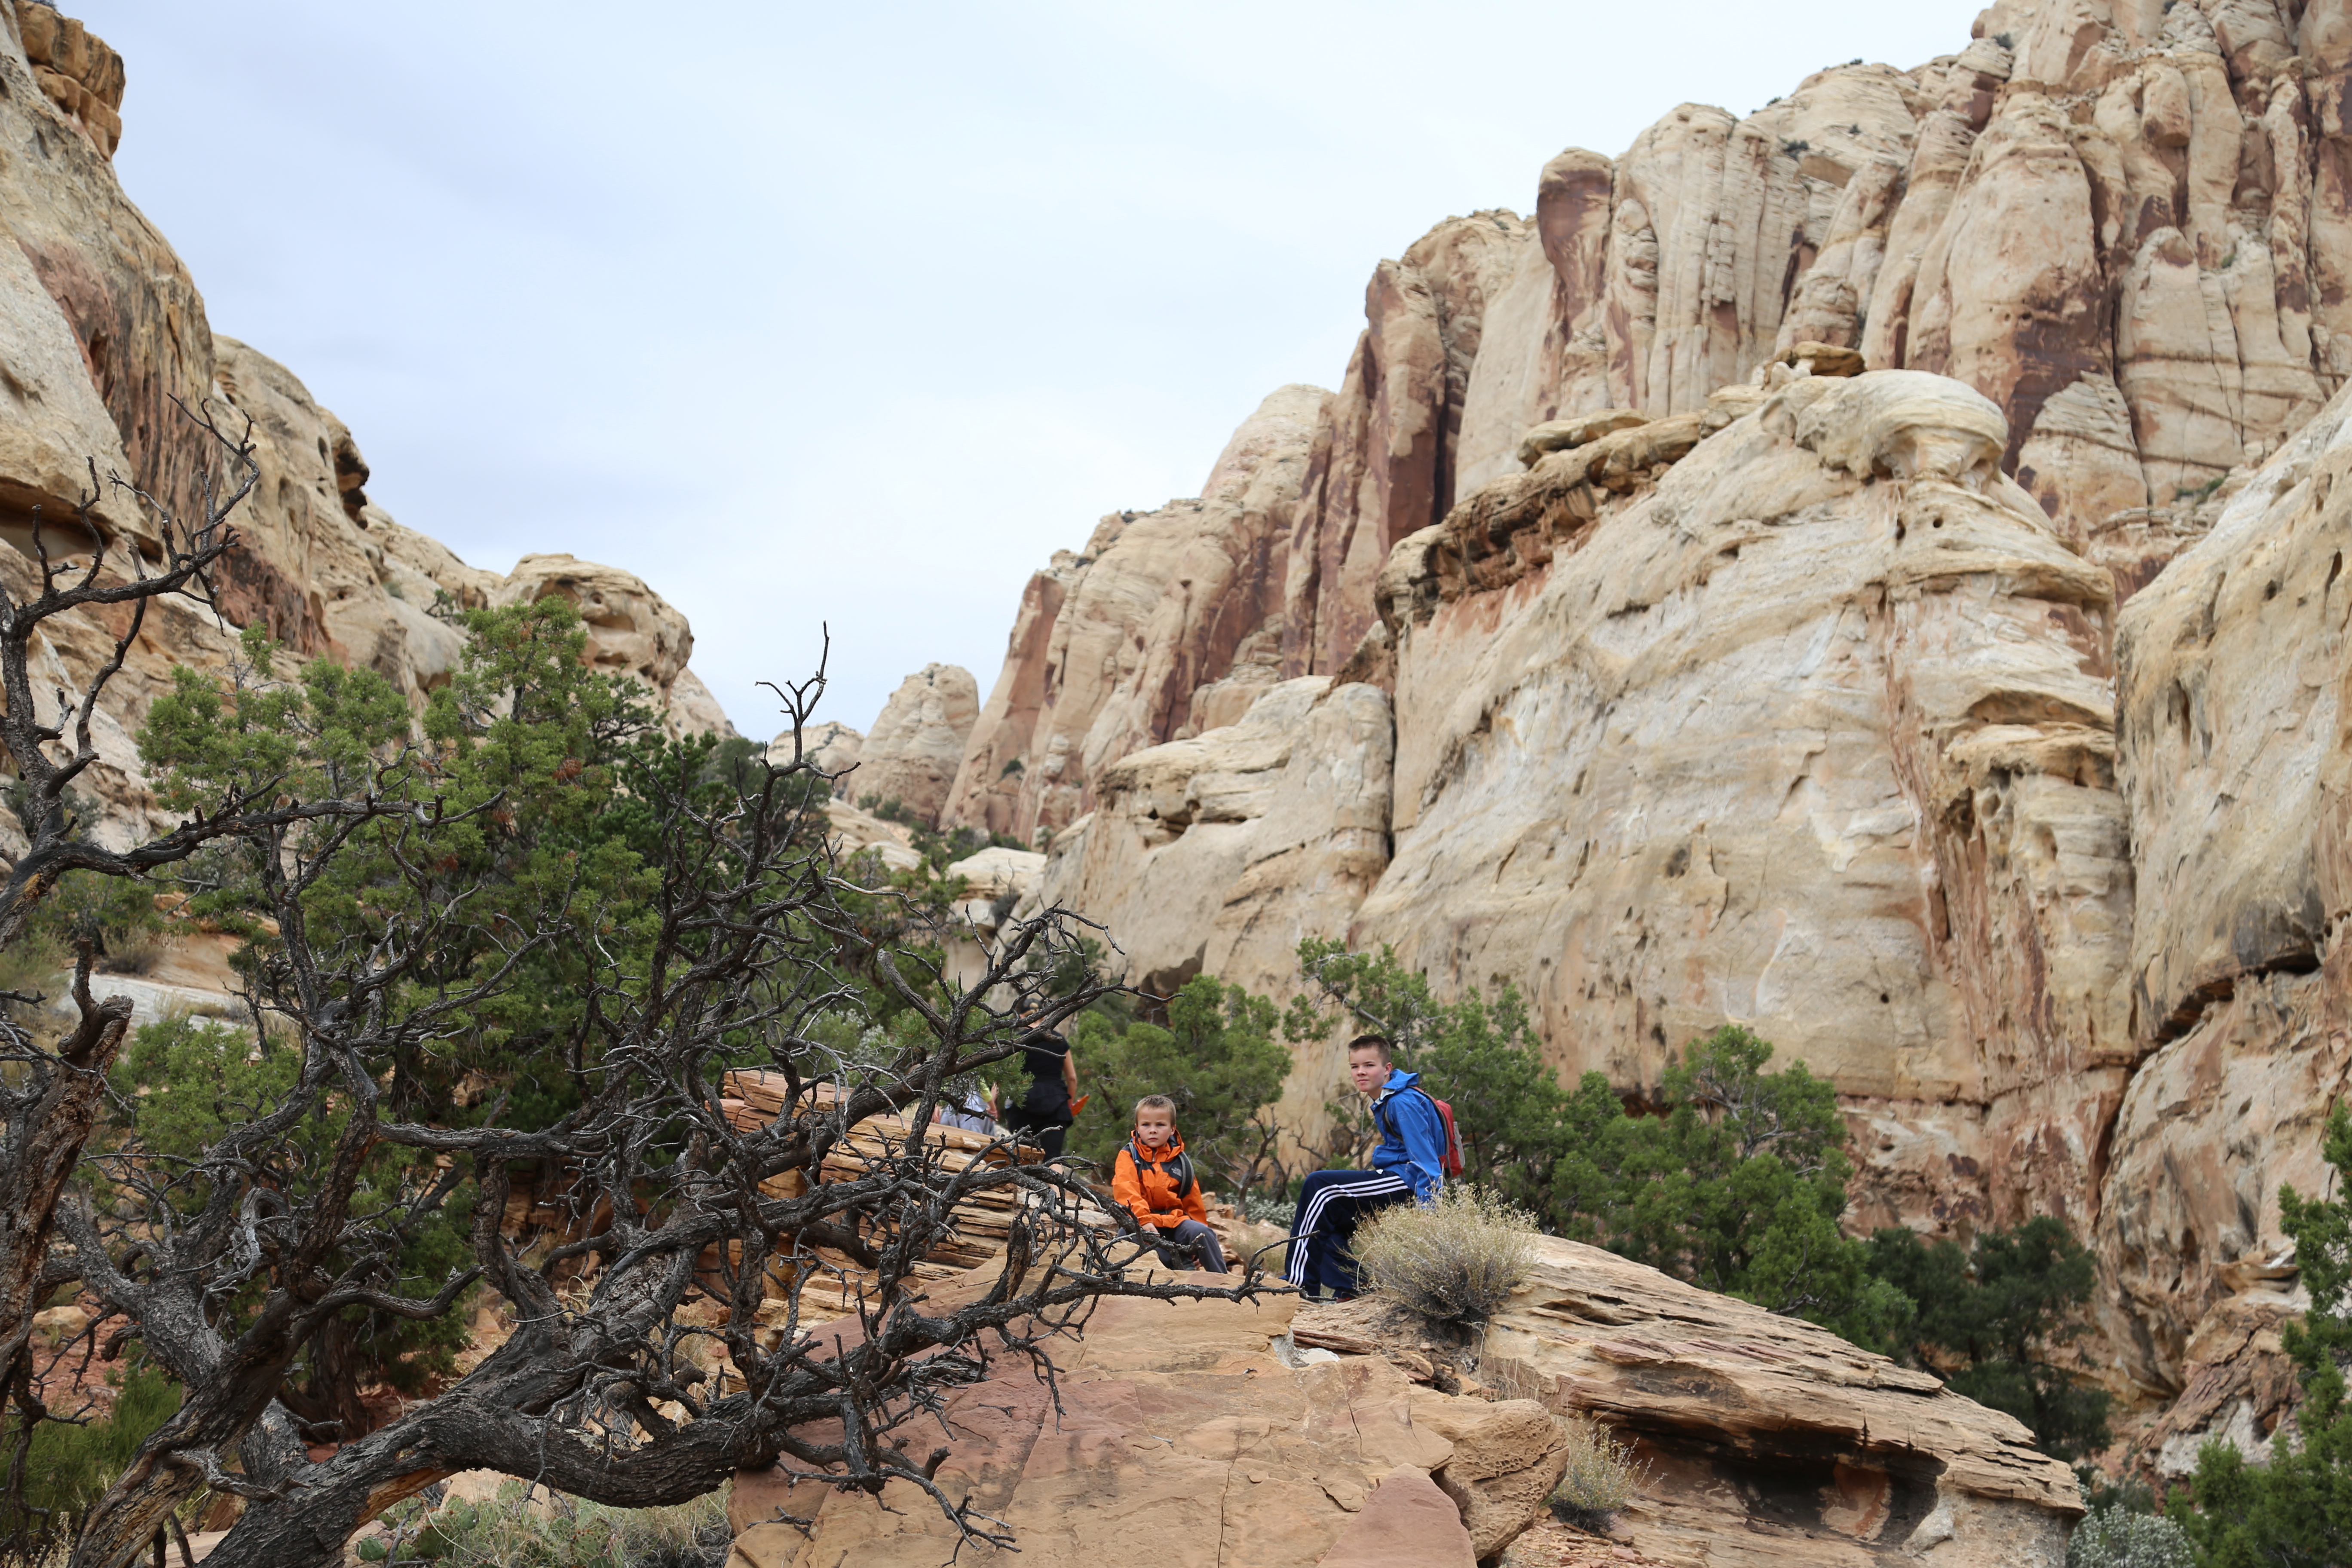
[1729, 683]
[1813, 731]
[1112, 644]
[102, 330]
[1767, 1442]
[2231, 731]
[2122, 223]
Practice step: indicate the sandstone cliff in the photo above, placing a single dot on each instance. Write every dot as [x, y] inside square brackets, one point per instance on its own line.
[103, 336]
[1116, 646]
[1966, 725]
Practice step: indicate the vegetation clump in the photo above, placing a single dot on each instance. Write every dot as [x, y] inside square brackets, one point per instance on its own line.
[513, 1530]
[1991, 1322]
[1455, 1260]
[1601, 1477]
[2293, 1507]
[2116, 1537]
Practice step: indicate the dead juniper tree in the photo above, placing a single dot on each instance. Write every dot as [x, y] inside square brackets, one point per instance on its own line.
[538, 966]
[75, 596]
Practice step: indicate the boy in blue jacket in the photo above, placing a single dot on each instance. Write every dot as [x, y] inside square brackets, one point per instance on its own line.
[1410, 1161]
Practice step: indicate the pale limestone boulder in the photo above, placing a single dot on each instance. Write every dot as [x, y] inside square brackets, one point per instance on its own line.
[1561, 435]
[1813, 733]
[995, 872]
[1110, 644]
[915, 748]
[831, 747]
[632, 632]
[853, 832]
[1772, 1442]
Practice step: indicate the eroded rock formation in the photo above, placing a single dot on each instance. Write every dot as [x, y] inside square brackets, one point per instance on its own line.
[1770, 1442]
[103, 337]
[1111, 644]
[1219, 853]
[916, 747]
[1740, 539]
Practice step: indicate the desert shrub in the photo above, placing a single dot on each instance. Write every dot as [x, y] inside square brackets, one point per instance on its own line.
[1602, 1474]
[1455, 1260]
[2118, 1538]
[1989, 1321]
[70, 1466]
[509, 1531]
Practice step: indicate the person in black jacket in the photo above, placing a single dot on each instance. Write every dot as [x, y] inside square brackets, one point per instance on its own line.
[1043, 1112]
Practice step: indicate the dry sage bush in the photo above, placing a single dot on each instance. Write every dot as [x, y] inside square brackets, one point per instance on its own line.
[1455, 1260]
[1602, 1474]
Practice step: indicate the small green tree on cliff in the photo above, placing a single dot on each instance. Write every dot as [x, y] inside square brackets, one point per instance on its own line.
[2296, 1510]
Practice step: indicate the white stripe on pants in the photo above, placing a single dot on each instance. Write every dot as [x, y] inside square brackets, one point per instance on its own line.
[1363, 1184]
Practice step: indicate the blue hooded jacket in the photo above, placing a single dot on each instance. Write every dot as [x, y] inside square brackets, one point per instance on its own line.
[1412, 1135]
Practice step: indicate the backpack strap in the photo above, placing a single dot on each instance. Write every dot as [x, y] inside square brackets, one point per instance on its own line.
[1178, 1170]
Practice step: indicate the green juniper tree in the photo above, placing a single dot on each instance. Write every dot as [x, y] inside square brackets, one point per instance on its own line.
[515, 945]
[2295, 1509]
[1992, 1320]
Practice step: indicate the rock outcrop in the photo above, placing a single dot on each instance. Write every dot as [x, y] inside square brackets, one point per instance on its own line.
[1769, 1442]
[2232, 733]
[632, 632]
[1112, 644]
[103, 339]
[912, 754]
[1219, 853]
[1772, 1441]
[2120, 222]
[1812, 731]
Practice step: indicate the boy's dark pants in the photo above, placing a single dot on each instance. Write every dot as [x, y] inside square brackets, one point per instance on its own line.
[1191, 1246]
[1331, 1203]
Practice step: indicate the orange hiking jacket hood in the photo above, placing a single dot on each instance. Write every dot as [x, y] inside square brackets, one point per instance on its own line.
[1148, 1189]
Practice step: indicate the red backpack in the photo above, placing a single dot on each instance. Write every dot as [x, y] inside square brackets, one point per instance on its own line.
[1451, 1164]
[1452, 1140]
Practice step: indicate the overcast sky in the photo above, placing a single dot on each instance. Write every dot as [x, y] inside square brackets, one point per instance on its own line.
[856, 314]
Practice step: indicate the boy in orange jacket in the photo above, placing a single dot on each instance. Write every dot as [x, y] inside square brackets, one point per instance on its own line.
[1153, 1177]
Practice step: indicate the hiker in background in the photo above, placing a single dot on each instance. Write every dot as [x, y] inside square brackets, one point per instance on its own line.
[1408, 1162]
[1153, 1177]
[1050, 1103]
[969, 1111]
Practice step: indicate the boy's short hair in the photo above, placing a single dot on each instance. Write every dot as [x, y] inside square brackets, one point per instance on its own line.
[1373, 1042]
[1156, 1102]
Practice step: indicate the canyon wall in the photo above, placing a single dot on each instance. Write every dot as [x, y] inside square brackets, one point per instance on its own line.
[1867, 570]
[103, 337]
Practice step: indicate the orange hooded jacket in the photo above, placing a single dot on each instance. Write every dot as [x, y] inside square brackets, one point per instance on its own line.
[1148, 1185]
